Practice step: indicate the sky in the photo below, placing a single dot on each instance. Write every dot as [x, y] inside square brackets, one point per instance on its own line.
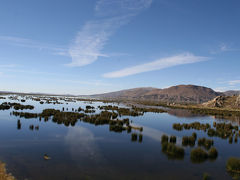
[94, 46]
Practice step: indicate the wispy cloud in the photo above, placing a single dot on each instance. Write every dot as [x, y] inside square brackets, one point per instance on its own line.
[8, 65]
[234, 82]
[223, 47]
[110, 15]
[185, 58]
[24, 42]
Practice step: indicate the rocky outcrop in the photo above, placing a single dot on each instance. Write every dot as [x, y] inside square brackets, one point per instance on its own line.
[216, 102]
[228, 102]
[219, 101]
[238, 101]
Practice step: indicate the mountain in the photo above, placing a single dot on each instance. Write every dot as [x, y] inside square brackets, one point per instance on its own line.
[177, 94]
[134, 93]
[228, 102]
[232, 93]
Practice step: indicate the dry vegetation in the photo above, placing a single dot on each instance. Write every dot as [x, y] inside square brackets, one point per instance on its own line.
[3, 173]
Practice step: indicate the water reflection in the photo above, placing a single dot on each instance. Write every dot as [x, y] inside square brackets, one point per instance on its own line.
[156, 134]
[82, 145]
[19, 125]
[82, 152]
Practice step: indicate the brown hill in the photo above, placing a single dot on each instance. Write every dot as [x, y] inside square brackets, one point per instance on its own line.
[126, 94]
[179, 94]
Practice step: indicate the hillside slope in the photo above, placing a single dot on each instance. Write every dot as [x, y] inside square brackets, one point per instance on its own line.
[232, 93]
[227, 102]
[177, 94]
[126, 94]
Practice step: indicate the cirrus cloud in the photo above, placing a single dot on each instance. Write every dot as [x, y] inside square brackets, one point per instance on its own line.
[185, 58]
[110, 15]
[234, 82]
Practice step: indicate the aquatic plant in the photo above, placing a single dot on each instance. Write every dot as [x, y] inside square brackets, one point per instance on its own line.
[194, 125]
[198, 155]
[164, 138]
[173, 139]
[213, 153]
[90, 107]
[19, 125]
[206, 176]
[31, 127]
[133, 111]
[233, 166]
[80, 109]
[25, 114]
[206, 143]
[89, 111]
[177, 126]
[134, 137]
[236, 138]
[16, 106]
[194, 135]
[172, 151]
[230, 139]
[188, 140]
[140, 138]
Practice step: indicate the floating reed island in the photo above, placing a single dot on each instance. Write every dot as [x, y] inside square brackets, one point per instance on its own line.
[133, 111]
[233, 167]
[136, 137]
[170, 149]
[189, 140]
[16, 106]
[71, 118]
[221, 130]
[199, 155]
[206, 143]
[194, 125]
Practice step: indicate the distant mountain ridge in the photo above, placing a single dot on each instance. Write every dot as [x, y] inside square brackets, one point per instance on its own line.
[232, 93]
[177, 94]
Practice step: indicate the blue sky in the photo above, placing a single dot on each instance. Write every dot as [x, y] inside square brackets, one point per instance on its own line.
[88, 47]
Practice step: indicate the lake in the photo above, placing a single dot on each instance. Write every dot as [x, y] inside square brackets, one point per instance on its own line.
[87, 151]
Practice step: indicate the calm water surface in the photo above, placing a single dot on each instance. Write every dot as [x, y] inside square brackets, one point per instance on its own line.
[86, 151]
